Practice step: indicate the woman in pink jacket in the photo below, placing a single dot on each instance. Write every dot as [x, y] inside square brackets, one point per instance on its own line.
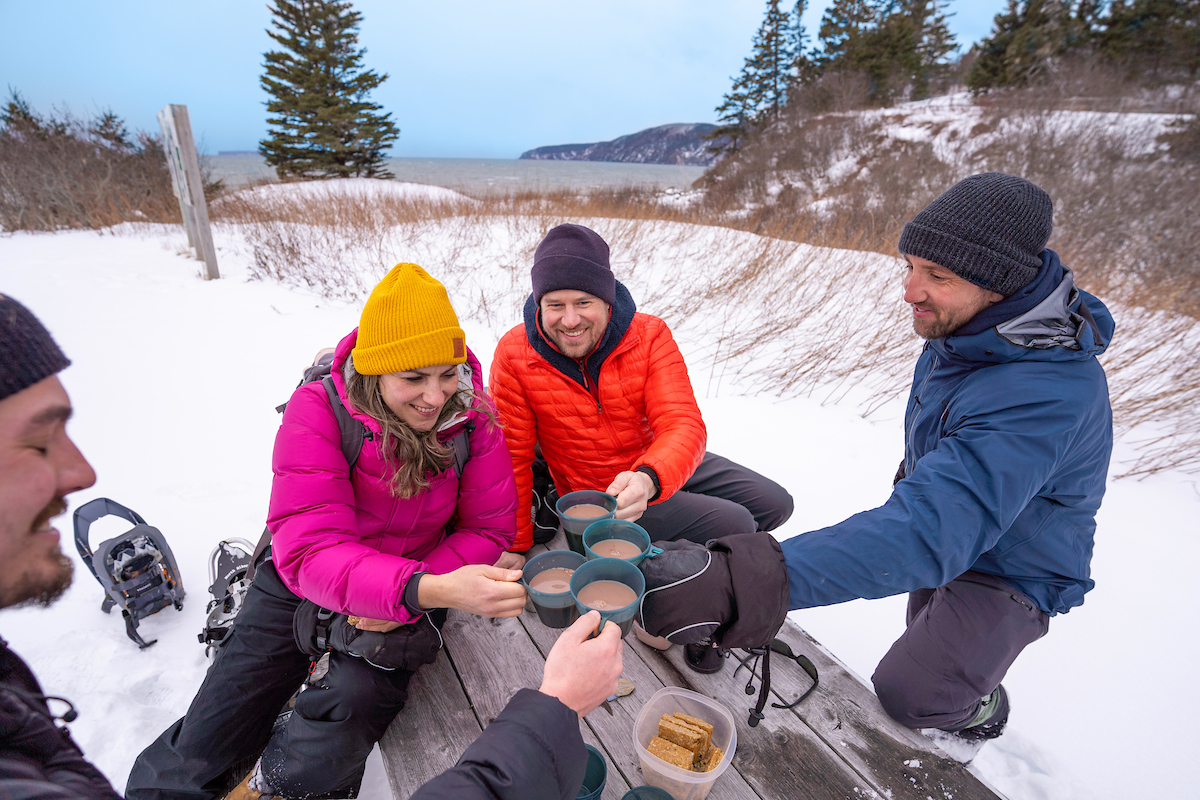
[383, 541]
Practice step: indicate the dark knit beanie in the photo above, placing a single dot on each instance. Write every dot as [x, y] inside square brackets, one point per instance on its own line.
[573, 257]
[27, 353]
[990, 229]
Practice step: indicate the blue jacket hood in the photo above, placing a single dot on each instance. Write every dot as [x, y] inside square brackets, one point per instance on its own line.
[1049, 320]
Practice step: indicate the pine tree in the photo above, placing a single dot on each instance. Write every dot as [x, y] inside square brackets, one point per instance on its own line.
[773, 59]
[805, 66]
[898, 44]
[1026, 39]
[843, 26]
[735, 117]
[934, 42]
[1153, 35]
[322, 124]
[759, 93]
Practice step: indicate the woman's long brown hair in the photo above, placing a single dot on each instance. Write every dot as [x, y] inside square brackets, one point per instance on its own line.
[411, 454]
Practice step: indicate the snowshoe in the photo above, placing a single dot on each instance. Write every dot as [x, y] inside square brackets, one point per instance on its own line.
[137, 569]
[228, 568]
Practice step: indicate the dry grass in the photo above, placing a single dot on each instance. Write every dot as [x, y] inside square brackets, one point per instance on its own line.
[741, 272]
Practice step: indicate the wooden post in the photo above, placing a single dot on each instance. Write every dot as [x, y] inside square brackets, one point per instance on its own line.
[189, 188]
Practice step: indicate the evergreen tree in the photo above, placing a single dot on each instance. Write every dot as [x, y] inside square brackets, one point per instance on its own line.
[1153, 35]
[735, 116]
[896, 43]
[843, 27]
[805, 66]
[322, 124]
[1026, 40]
[759, 93]
[773, 62]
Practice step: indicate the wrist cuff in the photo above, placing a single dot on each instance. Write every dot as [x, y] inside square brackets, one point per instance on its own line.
[649, 470]
[410, 595]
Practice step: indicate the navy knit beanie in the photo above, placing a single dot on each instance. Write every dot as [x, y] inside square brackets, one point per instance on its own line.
[990, 229]
[573, 257]
[27, 353]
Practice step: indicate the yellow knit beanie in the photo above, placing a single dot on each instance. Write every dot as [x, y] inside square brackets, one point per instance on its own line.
[408, 323]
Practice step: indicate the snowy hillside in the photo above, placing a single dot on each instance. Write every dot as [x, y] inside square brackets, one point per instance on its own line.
[175, 381]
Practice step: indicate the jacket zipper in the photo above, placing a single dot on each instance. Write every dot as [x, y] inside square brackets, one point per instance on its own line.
[908, 468]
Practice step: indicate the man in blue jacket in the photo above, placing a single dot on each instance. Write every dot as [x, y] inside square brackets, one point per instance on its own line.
[989, 527]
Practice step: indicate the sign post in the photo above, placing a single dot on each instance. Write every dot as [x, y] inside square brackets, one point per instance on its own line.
[187, 184]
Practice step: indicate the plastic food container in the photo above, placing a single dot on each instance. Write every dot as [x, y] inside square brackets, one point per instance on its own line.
[683, 784]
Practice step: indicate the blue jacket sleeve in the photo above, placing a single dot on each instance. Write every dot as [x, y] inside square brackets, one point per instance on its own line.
[532, 751]
[997, 453]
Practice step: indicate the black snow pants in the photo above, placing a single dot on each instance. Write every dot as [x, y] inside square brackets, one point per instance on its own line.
[960, 641]
[323, 748]
[722, 498]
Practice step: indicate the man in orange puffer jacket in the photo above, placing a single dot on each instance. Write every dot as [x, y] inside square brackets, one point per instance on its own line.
[605, 393]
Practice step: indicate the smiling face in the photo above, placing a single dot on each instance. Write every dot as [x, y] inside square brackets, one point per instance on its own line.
[418, 395]
[39, 467]
[941, 301]
[574, 321]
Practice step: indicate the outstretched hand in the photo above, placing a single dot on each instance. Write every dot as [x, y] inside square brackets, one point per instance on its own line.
[477, 589]
[582, 672]
[633, 491]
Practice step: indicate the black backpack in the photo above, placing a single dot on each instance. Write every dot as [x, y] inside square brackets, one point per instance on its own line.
[545, 497]
[137, 569]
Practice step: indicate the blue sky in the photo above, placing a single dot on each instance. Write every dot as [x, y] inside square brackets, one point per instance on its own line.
[469, 78]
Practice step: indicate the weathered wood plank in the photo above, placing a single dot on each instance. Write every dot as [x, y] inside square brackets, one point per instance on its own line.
[614, 725]
[846, 714]
[494, 659]
[781, 757]
[432, 730]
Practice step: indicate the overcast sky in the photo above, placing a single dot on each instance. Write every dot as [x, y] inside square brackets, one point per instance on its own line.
[468, 78]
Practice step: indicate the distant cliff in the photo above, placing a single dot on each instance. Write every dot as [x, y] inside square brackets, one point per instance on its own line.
[666, 144]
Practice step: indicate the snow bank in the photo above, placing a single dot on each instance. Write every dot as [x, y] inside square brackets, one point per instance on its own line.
[175, 381]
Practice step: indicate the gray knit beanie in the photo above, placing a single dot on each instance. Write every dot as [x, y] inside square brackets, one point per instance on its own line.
[27, 353]
[989, 228]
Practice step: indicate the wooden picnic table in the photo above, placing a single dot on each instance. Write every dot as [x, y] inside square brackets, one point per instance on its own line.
[837, 743]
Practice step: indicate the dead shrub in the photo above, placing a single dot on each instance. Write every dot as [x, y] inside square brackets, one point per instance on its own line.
[63, 172]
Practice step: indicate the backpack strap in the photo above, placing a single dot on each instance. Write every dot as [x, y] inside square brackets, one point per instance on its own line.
[462, 447]
[353, 431]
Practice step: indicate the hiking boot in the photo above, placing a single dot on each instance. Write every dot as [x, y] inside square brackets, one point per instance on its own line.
[704, 657]
[991, 719]
[243, 791]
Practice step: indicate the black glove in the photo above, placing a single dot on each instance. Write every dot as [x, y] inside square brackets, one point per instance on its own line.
[407, 647]
[733, 590]
[318, 630]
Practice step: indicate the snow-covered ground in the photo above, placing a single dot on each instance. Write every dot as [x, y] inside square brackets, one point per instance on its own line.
[175, 381]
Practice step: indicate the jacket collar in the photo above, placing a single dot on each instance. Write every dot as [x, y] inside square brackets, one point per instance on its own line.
[1048, 320]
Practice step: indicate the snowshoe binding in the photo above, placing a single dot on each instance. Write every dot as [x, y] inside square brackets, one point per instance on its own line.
[137, 569]
[229, 580]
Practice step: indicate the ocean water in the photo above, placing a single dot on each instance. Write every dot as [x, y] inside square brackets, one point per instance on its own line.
[483, 175]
